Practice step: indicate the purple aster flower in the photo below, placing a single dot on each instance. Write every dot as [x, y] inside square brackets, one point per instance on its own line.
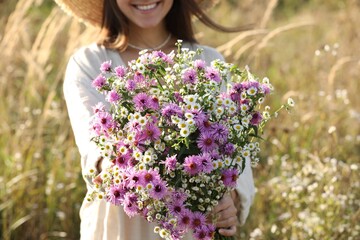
[154, 103]
[184, 220]
[256, 118]
[151, 132]
[115, 195]
[229, 177]
[178, 97]
[138, 77]
[122, 160]
[235, 96]
[133, 179]
[204, 232]
[113, 97]
[198, 219]
[192, 165]
[264, 88]
[219, 132]
[199, 64]
[189, 76]
[99, 82]
[120, 71]
[105, 66]
[206, 142]
[148, 176]
[206, 162]
[130, 85]
[105, 120]
[176, 208]
[229, 149]
[170, 163]
[159, 190]
[171, 109]
[141, 101]
[212, 74]
[179, 196]
[130, 204]
[238, 87]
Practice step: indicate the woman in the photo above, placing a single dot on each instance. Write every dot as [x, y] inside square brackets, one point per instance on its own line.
[127, 27]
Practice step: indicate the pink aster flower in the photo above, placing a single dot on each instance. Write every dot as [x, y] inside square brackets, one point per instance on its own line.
[159, 190]
[122, 160]
[120, 71]
[151, 132]
[229, 177]
[192, 165]
[139, 78]
[189, 76]
[148, 176]
[206, 162]
[130, 204]
[179, 196]
[199, 64]
[105, 66]
[206, 142]
[176, 208]
[113, 97]
[212, 74]
[154, 103]
[170, 163]
[184, 220]
[105, 120]
[204, 232]
[171, 109]
[198, 219]
[130, 85]
[99, 82]
[115, 195]
[141, 101]
[100, 107]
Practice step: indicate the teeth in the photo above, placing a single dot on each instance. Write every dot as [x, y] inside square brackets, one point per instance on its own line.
[146, 7]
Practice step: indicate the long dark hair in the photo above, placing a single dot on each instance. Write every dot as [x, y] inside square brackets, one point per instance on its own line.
[115, 26]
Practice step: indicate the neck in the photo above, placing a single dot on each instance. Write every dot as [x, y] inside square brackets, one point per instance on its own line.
[149, 37]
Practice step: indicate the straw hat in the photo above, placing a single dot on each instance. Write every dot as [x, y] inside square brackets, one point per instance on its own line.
[90, 11]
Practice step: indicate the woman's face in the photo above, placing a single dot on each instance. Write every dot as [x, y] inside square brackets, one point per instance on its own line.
[145, 13]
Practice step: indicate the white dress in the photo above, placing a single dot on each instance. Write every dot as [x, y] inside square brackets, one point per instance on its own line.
[101, 220]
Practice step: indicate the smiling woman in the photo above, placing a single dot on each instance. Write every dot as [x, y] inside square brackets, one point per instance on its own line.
[128, 26]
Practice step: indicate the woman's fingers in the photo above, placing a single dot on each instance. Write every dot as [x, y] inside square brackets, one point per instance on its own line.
[228, 232]
[227, 222]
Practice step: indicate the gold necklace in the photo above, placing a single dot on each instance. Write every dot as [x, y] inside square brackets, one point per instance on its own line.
[154, 48]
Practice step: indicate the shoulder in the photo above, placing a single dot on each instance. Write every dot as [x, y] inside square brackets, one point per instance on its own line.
[209, 53]
[88, 59]
[90, 55]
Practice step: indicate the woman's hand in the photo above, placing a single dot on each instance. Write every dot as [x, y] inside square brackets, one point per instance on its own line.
[226, 216]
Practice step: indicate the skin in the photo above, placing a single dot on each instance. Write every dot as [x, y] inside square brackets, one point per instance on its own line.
[147, 29]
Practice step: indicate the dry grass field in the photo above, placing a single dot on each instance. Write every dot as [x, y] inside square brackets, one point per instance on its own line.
[308, 181]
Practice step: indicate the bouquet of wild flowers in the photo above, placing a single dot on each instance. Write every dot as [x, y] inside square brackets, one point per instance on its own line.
[176, 137]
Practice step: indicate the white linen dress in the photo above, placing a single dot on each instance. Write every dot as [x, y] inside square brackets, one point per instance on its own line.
[101, 220]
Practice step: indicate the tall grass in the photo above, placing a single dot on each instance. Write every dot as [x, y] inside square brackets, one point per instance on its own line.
[308, 179]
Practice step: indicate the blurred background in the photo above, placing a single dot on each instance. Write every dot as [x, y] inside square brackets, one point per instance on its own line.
[308, 181]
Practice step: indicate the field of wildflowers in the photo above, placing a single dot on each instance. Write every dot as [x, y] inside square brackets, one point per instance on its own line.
[307, 180]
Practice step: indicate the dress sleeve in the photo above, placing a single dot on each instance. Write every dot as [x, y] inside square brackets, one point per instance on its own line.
[80, 97]
[245, 184]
